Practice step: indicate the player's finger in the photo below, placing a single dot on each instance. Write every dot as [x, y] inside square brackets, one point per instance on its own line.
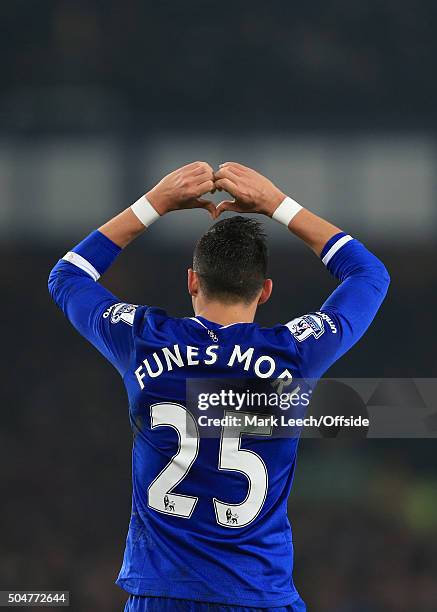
[234, 165]
[207, 205]
[202, 167]
[206, 186]
[225, 205]
[203, 177]
[227, 185]
[227, 172]
[230, 168]
[194, 164]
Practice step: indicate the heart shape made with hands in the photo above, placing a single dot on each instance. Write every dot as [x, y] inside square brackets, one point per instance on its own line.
[184, 188]
[250, 190]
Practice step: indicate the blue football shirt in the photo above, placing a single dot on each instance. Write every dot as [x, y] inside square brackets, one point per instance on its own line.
[209, 514]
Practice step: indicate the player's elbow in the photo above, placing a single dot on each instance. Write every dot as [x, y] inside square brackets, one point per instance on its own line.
[380, 276]
[374, 275]
[53, 285]
[384, 276]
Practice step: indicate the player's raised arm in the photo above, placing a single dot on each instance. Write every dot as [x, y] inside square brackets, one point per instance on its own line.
[94, 311]
[180, 190]
[325, 335]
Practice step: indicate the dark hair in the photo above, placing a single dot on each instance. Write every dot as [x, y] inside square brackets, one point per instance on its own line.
[231, 260]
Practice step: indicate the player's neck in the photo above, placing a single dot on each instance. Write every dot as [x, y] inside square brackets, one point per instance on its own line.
[226, 314]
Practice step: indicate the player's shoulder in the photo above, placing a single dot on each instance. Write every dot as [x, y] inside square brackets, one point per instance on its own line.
[309, 326]
[120, 312]
[156, 321]
[132, 315]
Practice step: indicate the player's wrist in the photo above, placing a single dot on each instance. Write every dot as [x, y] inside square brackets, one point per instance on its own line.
[145, 210]
[286, 210]
[158, 201]
[273, 201]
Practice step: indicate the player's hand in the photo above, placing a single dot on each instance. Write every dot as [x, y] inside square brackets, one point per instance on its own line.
[183, 189]
[252, 192]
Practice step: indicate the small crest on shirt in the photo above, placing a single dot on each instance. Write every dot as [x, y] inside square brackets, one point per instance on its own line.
[212, 335]
[121, 312]
[304, 327]
[169, 504]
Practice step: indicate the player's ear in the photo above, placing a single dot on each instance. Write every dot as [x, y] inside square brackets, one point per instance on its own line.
[266, 291]
[193, 282]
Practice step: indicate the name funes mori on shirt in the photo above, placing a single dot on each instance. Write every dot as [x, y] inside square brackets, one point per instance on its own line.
[168, 358]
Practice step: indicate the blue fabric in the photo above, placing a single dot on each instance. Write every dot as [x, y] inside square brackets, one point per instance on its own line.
[138, 603]
[98, 250]
[331, 243]
[350, 308]
[197, 554]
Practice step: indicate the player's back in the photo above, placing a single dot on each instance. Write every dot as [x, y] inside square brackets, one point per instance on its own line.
[209, 517]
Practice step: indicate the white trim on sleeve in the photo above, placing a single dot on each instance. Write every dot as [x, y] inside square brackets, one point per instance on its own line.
[336, 247]
[82, 263]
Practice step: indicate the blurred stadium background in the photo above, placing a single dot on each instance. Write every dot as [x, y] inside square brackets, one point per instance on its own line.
[336, 102]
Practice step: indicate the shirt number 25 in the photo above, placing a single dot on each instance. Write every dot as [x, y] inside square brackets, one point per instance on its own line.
[231, 458]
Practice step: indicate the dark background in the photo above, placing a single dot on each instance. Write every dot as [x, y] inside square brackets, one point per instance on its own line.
[90, 83]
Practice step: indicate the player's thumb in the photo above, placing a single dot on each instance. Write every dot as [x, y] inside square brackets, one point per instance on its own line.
[226, 205]
[207, 205]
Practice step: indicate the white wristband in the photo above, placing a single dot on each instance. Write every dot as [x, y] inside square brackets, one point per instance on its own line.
[286, 211]
[145, 211]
